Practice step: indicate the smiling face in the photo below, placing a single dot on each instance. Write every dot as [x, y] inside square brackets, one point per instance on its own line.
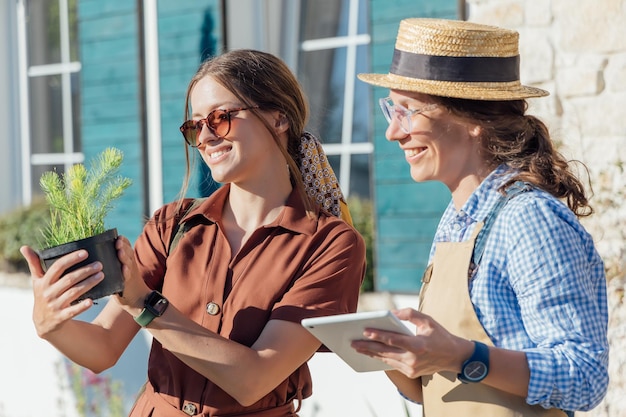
[440, 146]
[248, 152]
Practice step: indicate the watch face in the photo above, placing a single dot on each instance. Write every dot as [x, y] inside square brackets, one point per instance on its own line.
[475, 371]
[160, 305]
[156, 303]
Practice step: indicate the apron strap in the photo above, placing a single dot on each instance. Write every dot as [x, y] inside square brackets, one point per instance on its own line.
[481, 240]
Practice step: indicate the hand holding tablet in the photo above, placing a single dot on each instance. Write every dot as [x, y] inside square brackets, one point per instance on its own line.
[338, 331]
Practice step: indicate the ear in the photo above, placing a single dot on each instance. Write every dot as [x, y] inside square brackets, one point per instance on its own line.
[280, 122]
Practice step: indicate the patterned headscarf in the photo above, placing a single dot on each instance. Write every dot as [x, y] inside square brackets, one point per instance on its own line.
[319, 178]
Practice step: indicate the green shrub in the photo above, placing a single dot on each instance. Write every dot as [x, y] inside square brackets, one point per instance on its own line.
[362, 214]
[21, 227]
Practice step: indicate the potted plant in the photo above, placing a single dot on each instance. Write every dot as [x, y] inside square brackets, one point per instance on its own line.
[79, 201]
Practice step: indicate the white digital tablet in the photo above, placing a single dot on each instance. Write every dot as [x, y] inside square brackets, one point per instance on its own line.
[338, 331]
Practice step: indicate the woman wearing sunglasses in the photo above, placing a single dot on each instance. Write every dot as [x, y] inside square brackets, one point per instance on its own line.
[264, 251]
[512, 317]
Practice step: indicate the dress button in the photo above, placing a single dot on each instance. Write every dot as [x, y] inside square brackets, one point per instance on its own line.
[456, 226]
[212, 308]
[189, 409]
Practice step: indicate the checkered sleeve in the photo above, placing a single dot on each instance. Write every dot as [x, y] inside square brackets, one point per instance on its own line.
[559, 282]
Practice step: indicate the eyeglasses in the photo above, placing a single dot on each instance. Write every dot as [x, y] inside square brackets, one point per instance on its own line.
[401, 114]
[218, 122]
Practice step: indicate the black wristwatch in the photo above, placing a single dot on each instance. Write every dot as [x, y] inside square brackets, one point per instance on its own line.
[476, 368]
[153, 306]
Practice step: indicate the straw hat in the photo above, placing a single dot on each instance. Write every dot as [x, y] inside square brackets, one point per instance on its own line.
[453, 58]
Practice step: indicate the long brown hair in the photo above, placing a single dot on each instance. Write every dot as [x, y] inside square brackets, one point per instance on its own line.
[522, 141]
[260, 79]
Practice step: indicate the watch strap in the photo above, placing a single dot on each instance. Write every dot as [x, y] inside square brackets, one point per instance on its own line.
[481, 354]
[145, 317]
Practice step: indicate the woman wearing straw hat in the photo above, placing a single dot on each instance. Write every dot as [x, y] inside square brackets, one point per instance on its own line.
[512, 318]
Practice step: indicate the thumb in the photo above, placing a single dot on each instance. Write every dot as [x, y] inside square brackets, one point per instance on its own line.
[410, 314]
[34, 263]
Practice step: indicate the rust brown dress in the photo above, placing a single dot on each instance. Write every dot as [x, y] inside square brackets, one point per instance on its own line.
[293, 268]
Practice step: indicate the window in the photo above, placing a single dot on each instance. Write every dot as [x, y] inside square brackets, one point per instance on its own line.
[49, 89]
[333, 49]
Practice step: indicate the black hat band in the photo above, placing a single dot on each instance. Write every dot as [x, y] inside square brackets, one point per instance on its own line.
[483, 69]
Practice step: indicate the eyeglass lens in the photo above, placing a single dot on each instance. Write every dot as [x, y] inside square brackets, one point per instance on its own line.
[218, 122]
[400, 113]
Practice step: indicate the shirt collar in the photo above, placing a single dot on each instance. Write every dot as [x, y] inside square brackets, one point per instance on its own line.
[481, 201]
[456, 226]
[293, 216]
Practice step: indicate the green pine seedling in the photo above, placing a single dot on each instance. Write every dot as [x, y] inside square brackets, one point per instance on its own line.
[81, 198]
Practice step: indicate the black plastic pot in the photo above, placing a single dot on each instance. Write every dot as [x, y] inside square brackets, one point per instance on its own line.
[100, 248]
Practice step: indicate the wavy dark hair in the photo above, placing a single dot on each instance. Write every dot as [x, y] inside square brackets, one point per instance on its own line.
[260, 79]
[523, 142]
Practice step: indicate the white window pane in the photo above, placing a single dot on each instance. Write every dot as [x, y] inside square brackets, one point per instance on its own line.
[46, 114]
[43, 32]
[51, 92]
[323, 19]
[334, 49]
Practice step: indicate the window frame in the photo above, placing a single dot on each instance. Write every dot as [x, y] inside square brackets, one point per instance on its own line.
[65, 69]
[346, 148]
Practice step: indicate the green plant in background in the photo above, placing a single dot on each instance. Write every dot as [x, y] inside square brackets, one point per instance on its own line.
[362, 213]
[81, 198]
[21, 226]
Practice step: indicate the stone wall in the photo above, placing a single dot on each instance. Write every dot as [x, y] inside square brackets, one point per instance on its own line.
[577, 51]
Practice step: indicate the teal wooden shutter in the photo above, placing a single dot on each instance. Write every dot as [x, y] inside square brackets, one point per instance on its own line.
[406, 213]
[109, 52]
[112, 113]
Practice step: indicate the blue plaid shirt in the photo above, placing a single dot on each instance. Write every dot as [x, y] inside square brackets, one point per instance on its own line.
[540, 288]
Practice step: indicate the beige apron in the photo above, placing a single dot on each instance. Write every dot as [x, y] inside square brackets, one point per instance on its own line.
[445, 297]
